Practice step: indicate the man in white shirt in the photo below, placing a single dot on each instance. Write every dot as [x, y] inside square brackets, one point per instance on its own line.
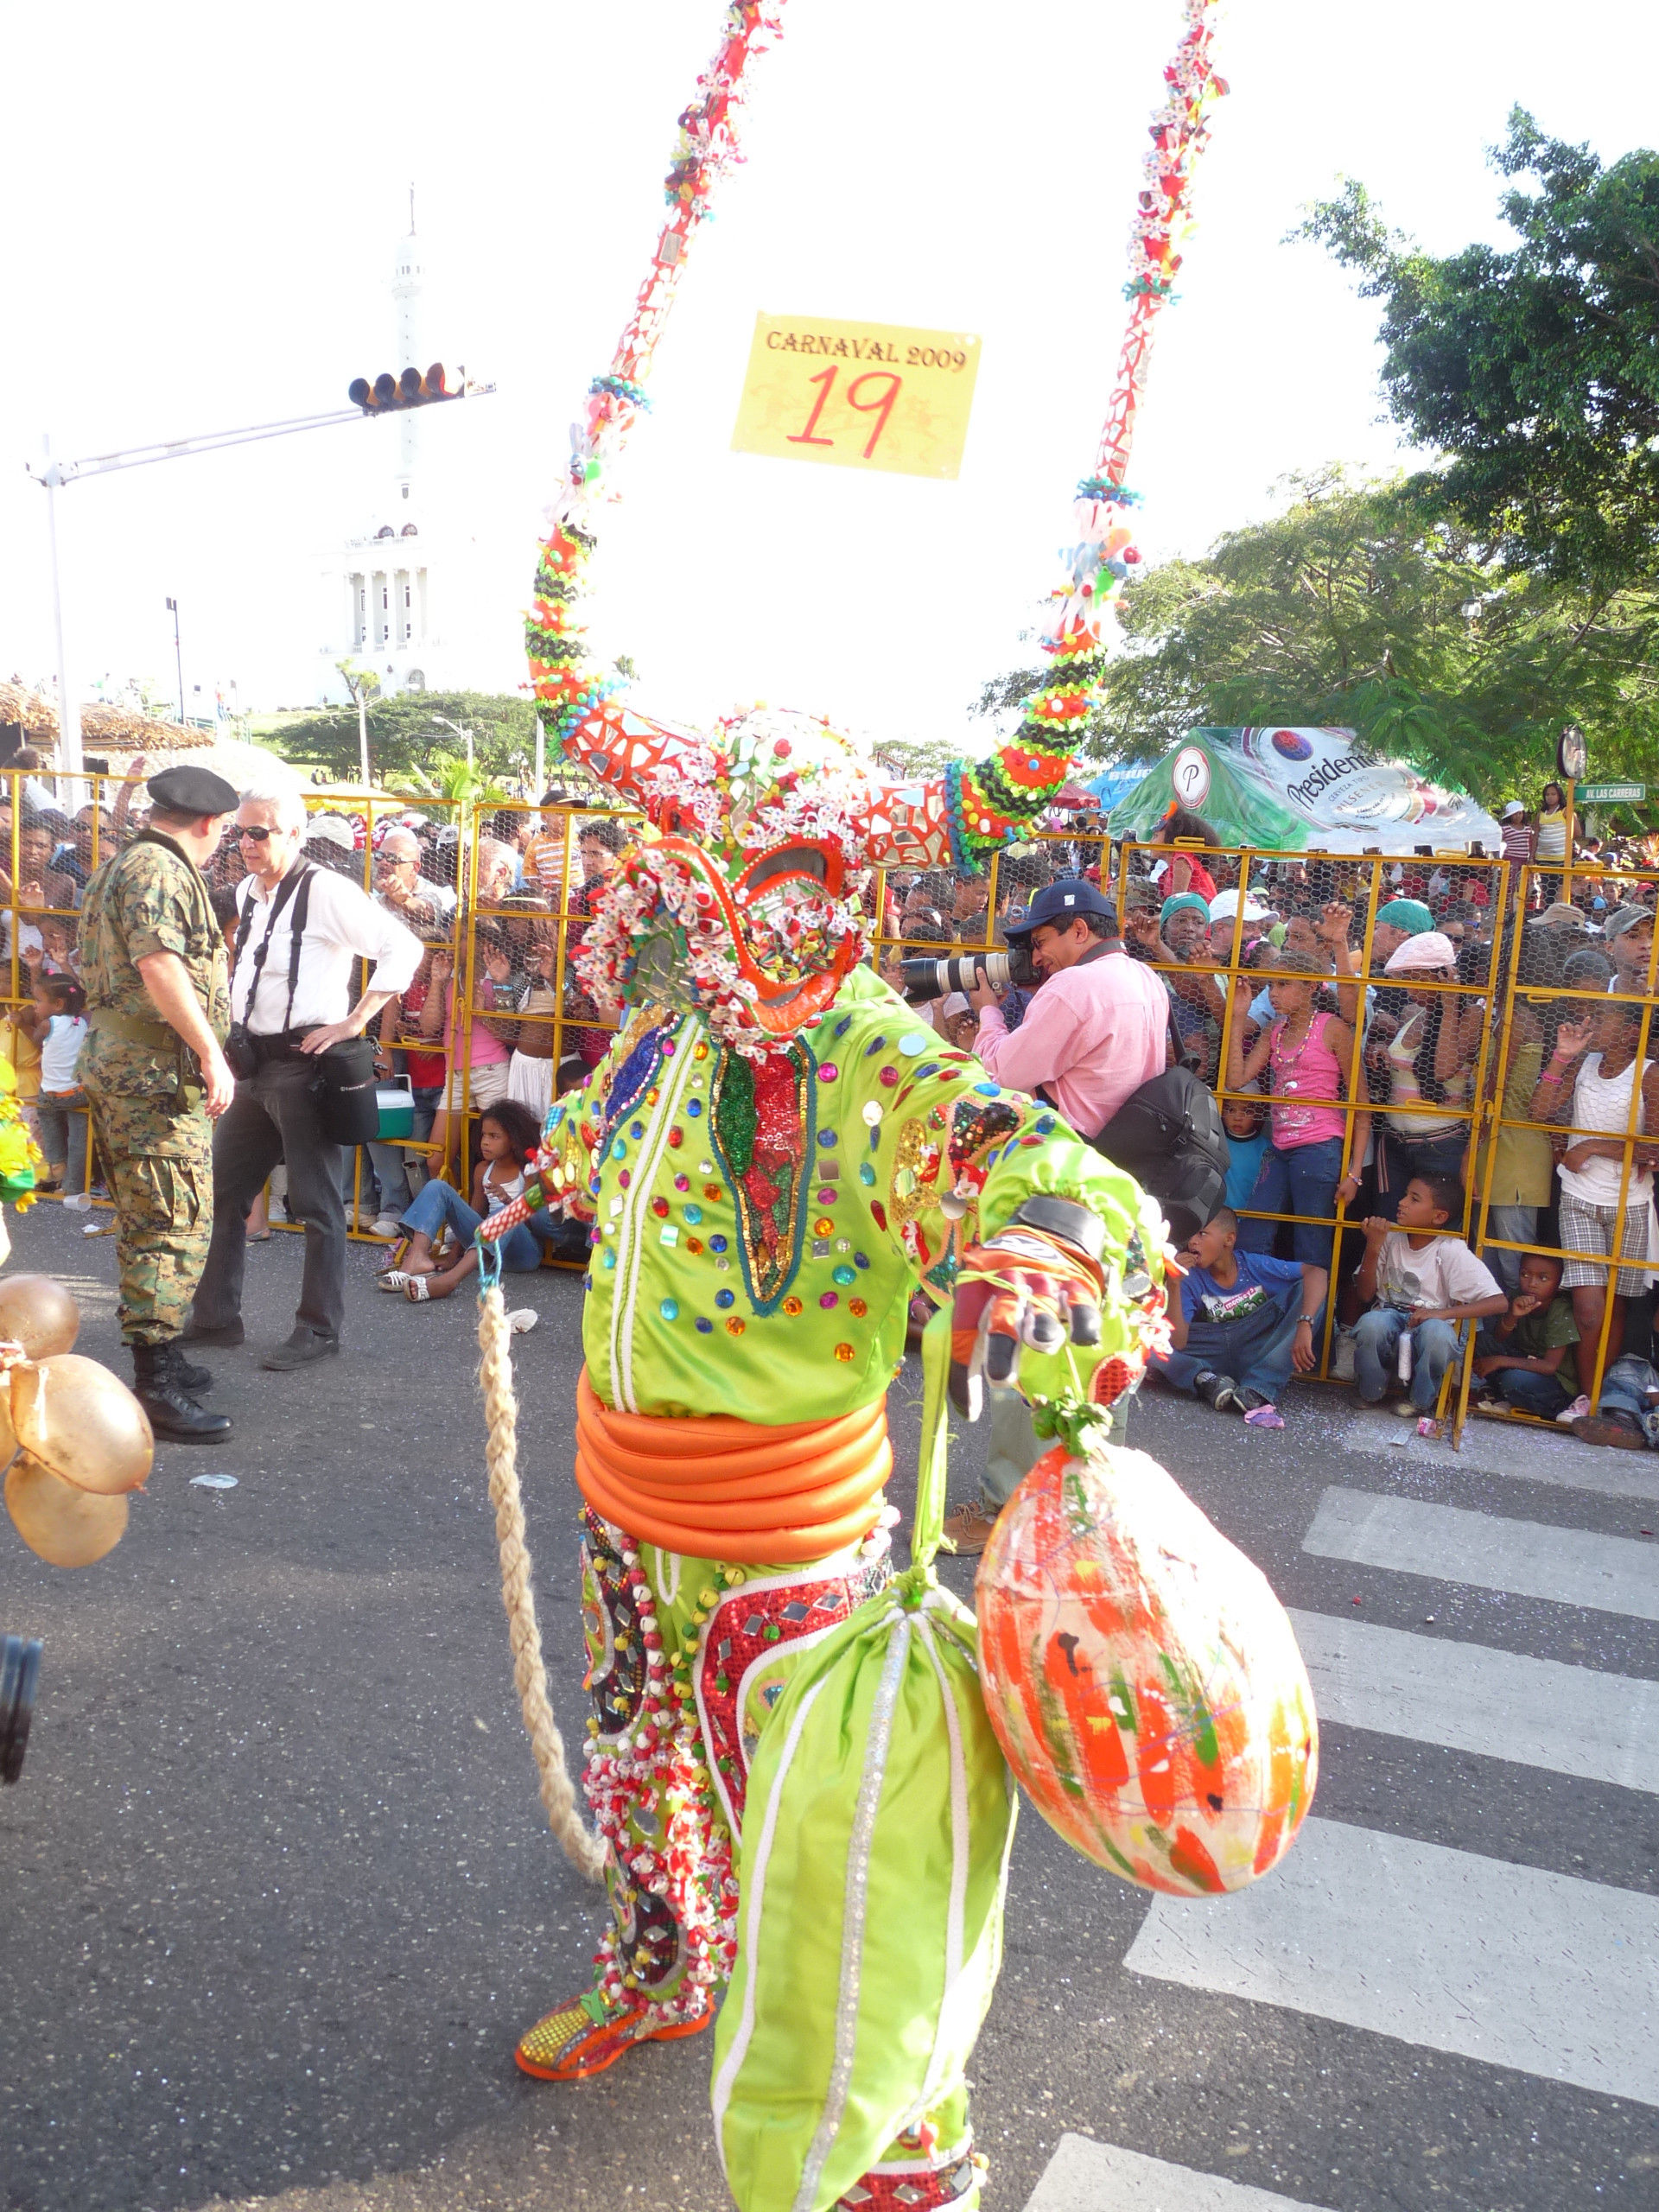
[1097, 1027]
[292, 998]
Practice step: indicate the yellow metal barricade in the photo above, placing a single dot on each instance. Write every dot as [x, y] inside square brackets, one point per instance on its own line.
[523, 879]
[534, 873]
[1493, 911]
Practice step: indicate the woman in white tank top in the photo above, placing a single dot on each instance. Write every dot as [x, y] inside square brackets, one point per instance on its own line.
[1602, 1102]
[1590, 1084]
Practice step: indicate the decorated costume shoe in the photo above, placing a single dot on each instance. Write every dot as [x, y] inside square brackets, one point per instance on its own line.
[581, 2038]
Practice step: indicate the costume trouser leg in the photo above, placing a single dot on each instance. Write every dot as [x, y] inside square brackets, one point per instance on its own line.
[1014, 1448]
[686, 1659]
[159, 1157]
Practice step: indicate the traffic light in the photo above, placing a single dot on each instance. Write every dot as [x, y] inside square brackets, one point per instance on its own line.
[388, 393]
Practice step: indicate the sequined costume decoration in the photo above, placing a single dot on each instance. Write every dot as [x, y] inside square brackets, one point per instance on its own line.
[758, 1226]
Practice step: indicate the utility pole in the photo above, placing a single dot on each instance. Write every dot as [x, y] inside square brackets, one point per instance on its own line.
[388, 394]
[52, 477]
[460, 733]
[178, 656]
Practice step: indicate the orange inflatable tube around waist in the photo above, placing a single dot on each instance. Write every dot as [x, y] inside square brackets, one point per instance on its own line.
[734, 1489]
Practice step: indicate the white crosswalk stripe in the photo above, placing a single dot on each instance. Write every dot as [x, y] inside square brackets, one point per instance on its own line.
[1492, 1447]
[1085, 2176]
[1527, 1559]
[1464, 1954]
[1469, 1698]
[1451, 1950]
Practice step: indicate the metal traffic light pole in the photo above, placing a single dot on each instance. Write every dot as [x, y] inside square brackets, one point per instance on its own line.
[178, 655]
[387, 395]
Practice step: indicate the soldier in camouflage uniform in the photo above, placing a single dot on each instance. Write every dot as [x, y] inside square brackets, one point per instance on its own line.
[157, 1010]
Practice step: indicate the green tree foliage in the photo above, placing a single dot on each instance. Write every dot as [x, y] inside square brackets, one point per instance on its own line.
[1362, 605]
[1535, 372]
[409, 743]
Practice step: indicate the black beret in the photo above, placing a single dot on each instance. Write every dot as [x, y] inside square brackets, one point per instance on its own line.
[192, 790]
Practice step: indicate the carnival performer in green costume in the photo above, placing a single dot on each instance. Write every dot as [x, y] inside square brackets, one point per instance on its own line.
[776, 1152]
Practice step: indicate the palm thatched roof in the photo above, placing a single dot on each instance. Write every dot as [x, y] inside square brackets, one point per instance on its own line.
[113, 729]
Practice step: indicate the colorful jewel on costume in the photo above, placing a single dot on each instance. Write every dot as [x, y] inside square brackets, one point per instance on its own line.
[762, 1118]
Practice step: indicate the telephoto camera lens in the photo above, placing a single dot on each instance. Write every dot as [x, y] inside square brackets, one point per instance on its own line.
[937, 979]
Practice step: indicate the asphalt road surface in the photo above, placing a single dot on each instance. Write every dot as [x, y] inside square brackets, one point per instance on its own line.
[276, 1897]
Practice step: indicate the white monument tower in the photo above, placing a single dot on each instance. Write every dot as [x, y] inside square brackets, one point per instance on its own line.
[384, 587]
[406, 283]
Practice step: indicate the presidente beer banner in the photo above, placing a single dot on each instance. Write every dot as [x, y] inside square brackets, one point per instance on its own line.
[1294, 790]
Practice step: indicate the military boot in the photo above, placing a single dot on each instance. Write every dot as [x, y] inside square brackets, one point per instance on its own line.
[189, 1376]
[161, 1391]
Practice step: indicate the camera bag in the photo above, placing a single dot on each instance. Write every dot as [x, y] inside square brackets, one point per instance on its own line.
[1168, 1134]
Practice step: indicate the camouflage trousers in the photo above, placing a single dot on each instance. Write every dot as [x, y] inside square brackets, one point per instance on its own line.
[159, 1157]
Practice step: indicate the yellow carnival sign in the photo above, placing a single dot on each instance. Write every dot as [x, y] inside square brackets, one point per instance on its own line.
[857, 395]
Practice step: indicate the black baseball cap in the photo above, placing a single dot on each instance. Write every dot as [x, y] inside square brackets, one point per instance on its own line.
[1057, 903]
[187, 790]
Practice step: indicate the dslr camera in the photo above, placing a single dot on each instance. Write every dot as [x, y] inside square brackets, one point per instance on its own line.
[936, 979]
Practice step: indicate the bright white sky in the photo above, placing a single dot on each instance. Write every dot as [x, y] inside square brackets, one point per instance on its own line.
[204, 202]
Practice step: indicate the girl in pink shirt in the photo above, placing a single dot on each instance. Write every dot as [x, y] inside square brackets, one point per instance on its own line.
[1309, 1054]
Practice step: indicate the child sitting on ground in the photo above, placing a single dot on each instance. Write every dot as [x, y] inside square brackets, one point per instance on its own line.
[1244, 1321]
[508, 1133]
[1526, 1356]
[1424, 1285]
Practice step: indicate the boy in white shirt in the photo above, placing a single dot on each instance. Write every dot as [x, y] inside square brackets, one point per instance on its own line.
[1424, 1285]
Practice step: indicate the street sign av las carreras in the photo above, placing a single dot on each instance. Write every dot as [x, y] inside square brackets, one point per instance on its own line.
[1610, 794]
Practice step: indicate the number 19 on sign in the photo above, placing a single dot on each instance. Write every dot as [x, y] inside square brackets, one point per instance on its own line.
[857, 395]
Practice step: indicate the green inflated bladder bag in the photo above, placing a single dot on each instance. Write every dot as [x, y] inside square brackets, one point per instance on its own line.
[878, 1821]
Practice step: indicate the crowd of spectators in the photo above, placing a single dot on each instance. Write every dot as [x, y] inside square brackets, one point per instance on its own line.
[1354, 1015]
[1401, 998]
[481, 1023]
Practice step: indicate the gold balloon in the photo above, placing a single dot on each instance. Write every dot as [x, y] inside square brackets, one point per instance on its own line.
[65, 1526]
[82, 1422]
[38, 1313]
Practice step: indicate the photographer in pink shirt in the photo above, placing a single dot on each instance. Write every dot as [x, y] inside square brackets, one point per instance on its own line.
[1096, 1029]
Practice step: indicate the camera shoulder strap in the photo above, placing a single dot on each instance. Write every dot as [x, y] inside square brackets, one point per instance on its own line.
[285, 891]
[296, 938]
[244, 925]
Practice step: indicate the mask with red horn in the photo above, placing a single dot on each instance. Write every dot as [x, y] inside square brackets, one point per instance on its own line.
[746, 896]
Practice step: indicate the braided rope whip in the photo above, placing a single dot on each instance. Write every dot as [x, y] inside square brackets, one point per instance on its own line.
[577, 1842]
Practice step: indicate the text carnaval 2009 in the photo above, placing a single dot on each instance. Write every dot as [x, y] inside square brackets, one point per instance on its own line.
[862, 349]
